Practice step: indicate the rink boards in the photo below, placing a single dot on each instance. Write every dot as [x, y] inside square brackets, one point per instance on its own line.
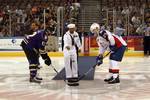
[60, 54]
[10, 47]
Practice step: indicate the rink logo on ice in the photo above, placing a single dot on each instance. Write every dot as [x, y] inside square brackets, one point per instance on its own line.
[10, 44]
[13, 41]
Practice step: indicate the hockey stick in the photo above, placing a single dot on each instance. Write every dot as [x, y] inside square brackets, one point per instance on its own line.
[54, 68]
[92, 68]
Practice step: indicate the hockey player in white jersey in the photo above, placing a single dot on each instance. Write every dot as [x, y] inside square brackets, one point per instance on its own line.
[71, 39]
[116, 44]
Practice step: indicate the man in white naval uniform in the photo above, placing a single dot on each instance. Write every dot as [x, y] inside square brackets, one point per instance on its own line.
[71, 38]
[116, 44]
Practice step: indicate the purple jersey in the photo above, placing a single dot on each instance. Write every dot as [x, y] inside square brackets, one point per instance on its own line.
[37, 40]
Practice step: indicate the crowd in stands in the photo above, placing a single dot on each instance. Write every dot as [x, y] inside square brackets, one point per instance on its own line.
[15, 20]
[20, 19]
[133, 18]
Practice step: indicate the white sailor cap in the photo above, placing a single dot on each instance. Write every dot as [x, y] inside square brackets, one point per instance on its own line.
[71, 25]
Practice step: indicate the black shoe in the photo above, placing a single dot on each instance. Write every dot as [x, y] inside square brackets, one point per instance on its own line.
[72, 80]
[39, 78]
[115, 80]
[35, 80]
[108, 79]
[73, 83]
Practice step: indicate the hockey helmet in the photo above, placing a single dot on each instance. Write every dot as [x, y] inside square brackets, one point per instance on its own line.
[95, 28]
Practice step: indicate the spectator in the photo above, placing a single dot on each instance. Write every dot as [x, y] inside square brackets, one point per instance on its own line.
[147, 41]
[81, 33]
[1, 32]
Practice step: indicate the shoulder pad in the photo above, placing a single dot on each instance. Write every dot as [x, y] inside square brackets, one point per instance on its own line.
[102, 33]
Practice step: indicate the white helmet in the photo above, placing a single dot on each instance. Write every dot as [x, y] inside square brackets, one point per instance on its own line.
[95, 28]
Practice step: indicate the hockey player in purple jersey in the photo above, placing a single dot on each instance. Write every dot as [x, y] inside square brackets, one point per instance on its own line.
[34, 45]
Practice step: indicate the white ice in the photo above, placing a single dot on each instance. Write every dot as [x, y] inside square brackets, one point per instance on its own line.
[134, 75]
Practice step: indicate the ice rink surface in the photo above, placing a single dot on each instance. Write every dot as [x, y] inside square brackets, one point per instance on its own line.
[134, 75]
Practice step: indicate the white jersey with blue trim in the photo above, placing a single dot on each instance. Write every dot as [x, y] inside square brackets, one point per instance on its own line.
[109, 40]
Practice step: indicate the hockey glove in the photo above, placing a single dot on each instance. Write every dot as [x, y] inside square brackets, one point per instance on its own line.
[48, 61]
[99, 60]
